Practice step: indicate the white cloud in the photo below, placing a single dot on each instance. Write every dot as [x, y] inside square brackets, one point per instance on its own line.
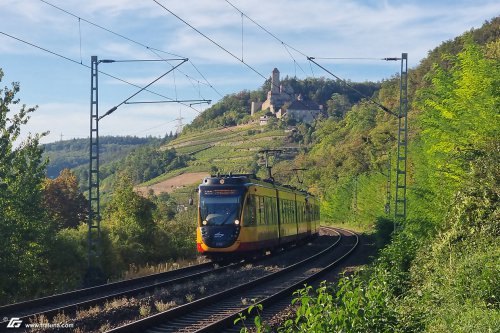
[320, 28]
[72, 120]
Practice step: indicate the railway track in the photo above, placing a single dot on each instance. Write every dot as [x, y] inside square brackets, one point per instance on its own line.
[69, 303]
[217, 312]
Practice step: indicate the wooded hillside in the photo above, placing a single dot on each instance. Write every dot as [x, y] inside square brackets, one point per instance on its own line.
[438, 271]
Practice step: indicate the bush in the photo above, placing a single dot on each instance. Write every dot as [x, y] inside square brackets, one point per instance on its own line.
[384, 228]
[353, 305]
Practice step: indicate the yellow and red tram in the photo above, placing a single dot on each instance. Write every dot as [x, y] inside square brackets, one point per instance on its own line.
[240, 214]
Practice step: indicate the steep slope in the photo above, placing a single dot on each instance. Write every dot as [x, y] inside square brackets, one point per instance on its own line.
[231, 149]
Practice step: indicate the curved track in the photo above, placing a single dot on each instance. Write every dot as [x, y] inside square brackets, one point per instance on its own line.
[217, 312]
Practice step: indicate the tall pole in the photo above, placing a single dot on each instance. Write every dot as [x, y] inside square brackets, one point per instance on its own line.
[94, 220]
[388, 186]
[401, 166]
[401, 163]
[94, 271]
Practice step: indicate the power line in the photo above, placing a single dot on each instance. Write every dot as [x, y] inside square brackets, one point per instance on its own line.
[294, 61]
[203, 76]
[87, 66]
[113, 109]
[220, 46]
[311, 59]
[104, 73]
[152, 49]
[80, 35]
[217, 44]
[211, 40]
[349, 58]
[44, 49]
[190, 78]
[104, 28]
[229, 52]
[356, 90]
[260, 26]
[285, 45]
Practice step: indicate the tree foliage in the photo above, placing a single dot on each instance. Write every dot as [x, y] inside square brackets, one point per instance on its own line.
[461, 117]
[440, 271]
[234, 109]
[24, 226]
[129, 218]
[73, 154]
[231, 110]
[63, 200]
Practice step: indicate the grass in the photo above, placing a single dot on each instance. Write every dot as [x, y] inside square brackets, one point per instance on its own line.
[145, 310]
[161, 306]
[136, 272]
[358, 227]
[93, 311]
[356, 203]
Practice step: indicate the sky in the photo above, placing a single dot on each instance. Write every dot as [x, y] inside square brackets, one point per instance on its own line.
[57, 79]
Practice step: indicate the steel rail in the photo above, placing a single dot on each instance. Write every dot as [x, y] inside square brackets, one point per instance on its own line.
[55, 302]
[282, 296]
[184, 314]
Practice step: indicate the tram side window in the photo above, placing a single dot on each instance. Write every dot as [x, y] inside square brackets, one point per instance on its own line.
[265, 214]
[262, 219]
[258, 210]
[302, 212]
[284, 211]
[299, 212]
[274, 205]
[250, 218]
[297, 206]
[270, 211]
[274, 210]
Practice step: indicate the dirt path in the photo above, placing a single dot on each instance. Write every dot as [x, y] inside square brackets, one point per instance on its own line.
[173, 183]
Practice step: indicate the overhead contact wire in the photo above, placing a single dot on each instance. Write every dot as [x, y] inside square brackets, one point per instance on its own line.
[152, 49]
[87, 66]
[211, 40]
[311, 60]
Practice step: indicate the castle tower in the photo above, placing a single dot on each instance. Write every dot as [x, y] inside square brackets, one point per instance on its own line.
[278, 95]
[275, 82]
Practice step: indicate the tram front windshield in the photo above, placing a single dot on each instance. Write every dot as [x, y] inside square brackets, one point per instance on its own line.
[220, 210]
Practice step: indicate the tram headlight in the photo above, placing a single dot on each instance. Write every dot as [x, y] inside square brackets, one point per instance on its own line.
[204, 222]
[237, 222]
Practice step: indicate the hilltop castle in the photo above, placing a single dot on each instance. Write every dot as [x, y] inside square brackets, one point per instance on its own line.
[278, 95]
[298, 108]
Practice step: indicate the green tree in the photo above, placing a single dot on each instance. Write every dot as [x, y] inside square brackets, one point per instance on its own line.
[63, 201]
[23, 223]
[130, 220]
[338, 105]
[460, 115]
